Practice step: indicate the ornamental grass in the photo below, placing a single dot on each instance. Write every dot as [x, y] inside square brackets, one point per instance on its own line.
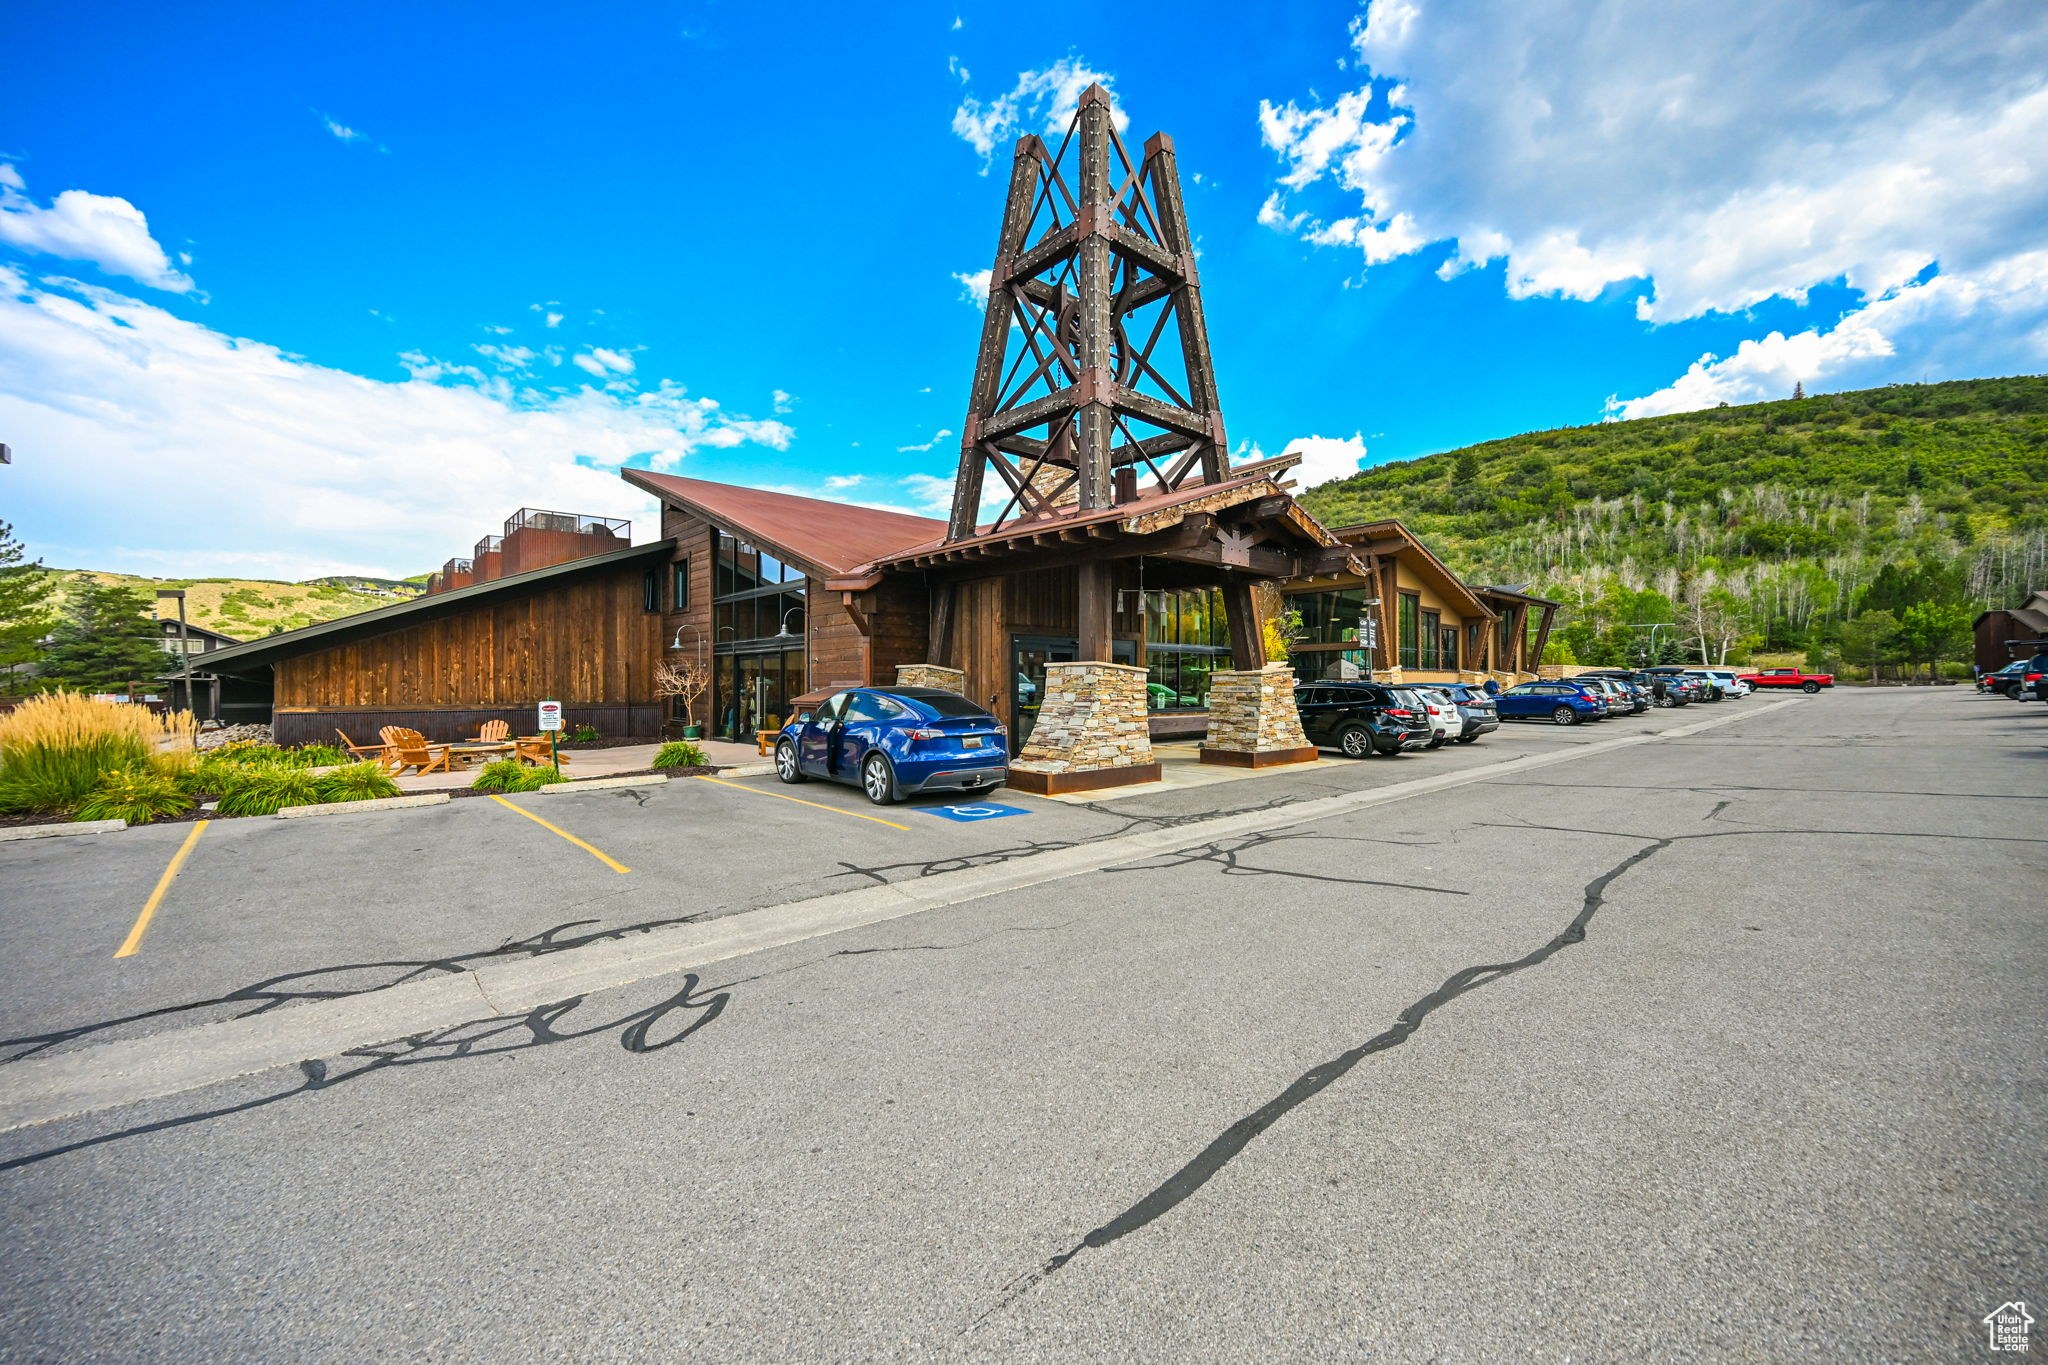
[57, 747]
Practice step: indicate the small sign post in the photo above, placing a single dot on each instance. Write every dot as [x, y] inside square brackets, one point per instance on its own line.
[551, 726]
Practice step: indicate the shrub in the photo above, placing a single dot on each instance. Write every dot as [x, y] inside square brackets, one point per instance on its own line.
[56, 747]
[212, 776]
[357, 782]
[533, 779]
[137, 795]
[585, 734]
[318, 756]
[679, 753]
[503, 775]
[268, 790]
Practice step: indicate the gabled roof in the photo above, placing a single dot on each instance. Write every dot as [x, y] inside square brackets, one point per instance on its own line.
[826, 537]
[255, 654]
[1154, 511]
[2025, 616]
[1390, 536]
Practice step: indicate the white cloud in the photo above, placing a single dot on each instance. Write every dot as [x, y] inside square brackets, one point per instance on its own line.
[839, 481]
[148, 443]
[1042, 99]
[1989, 322]
[603, 363]
[342, 131]
[510, 357]
[554, 320]
[110, 233]
[974, 287]
[937, 437]
[1728, 153]
[953, 65]
[932, 494]
[1325, 457]
[958, 23]
[783, 401]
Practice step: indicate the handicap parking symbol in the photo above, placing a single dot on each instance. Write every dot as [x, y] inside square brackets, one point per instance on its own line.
[967, 815]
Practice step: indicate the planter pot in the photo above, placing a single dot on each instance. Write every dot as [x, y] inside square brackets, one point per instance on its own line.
[693, 732]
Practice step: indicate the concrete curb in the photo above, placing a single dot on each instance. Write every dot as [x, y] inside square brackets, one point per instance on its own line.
[46, 1088]
[748, 770]
[59, 831]
[375, 803]
[596, 783]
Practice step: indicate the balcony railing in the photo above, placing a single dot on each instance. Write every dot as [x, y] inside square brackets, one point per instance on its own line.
[534, 518]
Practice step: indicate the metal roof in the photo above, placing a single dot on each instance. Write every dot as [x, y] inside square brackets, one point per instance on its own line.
[828, 537]
[255, 654]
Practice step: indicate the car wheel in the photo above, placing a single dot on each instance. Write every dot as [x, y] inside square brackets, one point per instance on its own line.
[1564, 715]
[878, 779]
[1662, 703]
[1809, 687]
[786, 766]
[1468, 739]
[1355, 741]
[1436, 743]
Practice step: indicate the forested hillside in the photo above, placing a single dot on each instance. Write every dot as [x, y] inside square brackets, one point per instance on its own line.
[250, 607]
[1866, 525]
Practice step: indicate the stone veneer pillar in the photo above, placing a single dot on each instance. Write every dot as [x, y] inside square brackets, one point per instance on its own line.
[1091, 732]
[1253, 721]
[931, 675]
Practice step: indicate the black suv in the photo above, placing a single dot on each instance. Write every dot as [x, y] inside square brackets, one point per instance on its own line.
[1358, 718]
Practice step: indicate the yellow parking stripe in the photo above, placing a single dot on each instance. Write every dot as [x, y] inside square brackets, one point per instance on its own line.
[801, 802]
[595, 853]
[163, 884]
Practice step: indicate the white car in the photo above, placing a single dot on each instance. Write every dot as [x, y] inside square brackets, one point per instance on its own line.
[1444, 720]
[1726, 679]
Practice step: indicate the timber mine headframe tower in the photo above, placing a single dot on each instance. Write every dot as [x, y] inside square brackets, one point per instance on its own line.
[1093, 386]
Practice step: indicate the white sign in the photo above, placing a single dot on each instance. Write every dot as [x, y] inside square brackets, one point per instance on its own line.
[550, 715]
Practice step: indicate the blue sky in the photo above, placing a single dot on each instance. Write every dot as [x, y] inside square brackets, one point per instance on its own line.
[373, 277]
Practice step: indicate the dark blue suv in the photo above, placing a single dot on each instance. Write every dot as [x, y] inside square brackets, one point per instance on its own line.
[894, 742]
[1560, 702]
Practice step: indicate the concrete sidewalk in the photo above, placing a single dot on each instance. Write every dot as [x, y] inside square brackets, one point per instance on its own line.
[627, 758]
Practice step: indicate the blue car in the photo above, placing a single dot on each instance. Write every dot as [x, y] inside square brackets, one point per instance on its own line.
[895, 742]
[1561, 702]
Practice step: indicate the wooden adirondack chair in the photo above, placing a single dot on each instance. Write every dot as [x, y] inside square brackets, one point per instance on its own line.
[534, 749]
[380, 754]
[409, 749]
[493, 730]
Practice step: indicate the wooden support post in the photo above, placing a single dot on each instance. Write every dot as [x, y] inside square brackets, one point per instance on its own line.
[1247, 630]
[1095, 421]
[939, 648]
[1092, 635]
[1542, 638]
[1388, 591]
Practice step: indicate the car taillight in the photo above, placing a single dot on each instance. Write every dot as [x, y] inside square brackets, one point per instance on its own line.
[927, 734]
[1404, 715]
[2033, 677]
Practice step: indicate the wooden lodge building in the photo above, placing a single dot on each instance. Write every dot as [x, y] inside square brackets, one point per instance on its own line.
[787, 595]
[1105, 572]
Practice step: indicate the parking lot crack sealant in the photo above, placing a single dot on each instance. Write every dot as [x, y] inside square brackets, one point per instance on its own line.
[1232, 1141]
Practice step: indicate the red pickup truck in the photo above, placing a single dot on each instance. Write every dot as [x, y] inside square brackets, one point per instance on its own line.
[1789, 677]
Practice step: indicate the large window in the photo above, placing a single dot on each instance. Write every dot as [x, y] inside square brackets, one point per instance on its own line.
[1329, 618]
[1411, 611]
[1187, 637]
[679, 586]
[1432, 637]
[755, 597]
[758, 627]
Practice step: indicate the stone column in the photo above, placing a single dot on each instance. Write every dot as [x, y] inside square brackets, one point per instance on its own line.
[931, 675]
[1091, 732]
[1253, 722]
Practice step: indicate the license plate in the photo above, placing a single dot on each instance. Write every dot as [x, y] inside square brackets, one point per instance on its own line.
[972, 742]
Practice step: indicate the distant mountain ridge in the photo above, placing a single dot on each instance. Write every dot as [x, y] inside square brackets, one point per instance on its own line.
[1792, 508]
[247, 608]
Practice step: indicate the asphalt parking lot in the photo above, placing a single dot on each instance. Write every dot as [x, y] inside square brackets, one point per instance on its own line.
[267, 913]
[1724, 1046]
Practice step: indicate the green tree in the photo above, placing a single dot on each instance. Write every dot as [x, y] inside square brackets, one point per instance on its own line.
[1930, 632]
[1869, 638]
[25, 614]
[1465, 470]
[108, 641]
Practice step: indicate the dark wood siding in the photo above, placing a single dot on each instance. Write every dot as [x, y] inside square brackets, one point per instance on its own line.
[587, 643]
